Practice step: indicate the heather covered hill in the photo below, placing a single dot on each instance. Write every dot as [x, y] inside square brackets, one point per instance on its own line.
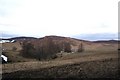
[88, 45]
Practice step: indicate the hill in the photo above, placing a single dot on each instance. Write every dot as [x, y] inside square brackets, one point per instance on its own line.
[88, 45]
[107, 41]
[19, 38]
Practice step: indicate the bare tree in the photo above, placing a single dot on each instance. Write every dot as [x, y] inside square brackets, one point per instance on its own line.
[80, 48]
[67, 47]
[27, 49]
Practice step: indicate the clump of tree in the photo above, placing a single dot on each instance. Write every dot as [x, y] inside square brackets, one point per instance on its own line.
[80, 48]
[28, 50]
[65, 47]
[46, 49]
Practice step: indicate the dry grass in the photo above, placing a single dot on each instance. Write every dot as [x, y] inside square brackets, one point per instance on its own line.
[9, 46]
[106, 68]
[86, 54]
[67, 59]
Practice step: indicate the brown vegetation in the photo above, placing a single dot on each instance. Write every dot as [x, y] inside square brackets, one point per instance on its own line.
[107, 68]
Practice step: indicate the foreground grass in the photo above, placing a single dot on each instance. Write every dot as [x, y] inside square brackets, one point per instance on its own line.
[66, 59]
[106, 68]
[94, 64]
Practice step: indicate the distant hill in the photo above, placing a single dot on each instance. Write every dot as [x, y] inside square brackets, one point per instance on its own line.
[23, 38]
[97, 36]
[19, 38]
[56, 38]
[87, 45]
[106, 41]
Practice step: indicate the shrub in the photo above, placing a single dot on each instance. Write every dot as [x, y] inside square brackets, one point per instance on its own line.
[46, 49]
[27, 50]
[14, 48]
[80, 48]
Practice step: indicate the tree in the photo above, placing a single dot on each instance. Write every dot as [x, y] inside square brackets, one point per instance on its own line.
[47, 49]
[80, 47]
[28, 49]
[44, 49]
[67, 47]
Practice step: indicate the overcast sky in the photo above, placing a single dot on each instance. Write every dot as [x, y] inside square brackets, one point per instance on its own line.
[58, 17]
